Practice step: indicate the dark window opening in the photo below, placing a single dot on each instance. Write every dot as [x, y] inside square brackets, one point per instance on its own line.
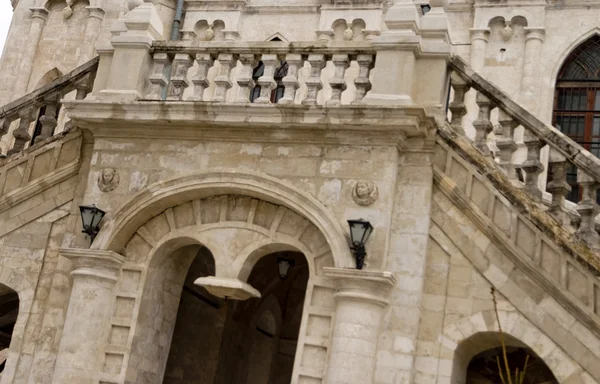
[280, 73]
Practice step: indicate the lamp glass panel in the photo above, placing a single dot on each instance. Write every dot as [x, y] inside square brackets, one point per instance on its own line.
[284, 267]
[368, 230]
[87, 216]
[98, 215]
[356, 231]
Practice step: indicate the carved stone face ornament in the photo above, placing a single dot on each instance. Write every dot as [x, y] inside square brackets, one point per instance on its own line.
[108, 180]
[365, 193]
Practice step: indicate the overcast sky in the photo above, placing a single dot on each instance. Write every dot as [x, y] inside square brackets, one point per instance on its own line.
[5, 16]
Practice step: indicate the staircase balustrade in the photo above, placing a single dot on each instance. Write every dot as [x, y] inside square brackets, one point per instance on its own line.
[41, 107]
[232, 65]
[564, 152]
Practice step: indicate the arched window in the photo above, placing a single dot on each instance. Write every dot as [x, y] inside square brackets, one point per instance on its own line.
[577, 101]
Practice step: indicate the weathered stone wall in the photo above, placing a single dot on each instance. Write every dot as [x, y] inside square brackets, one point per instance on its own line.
[327, 172]
[468, 254]
[36, 212]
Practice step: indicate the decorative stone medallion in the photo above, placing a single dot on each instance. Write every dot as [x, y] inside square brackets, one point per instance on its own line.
[365, 193]
[108, 180]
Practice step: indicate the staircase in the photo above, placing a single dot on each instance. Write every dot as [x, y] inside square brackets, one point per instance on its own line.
[552, 243]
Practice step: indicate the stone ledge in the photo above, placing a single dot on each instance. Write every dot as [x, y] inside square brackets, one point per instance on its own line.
[188, 120]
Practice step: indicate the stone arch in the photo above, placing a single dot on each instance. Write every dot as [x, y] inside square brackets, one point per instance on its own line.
[156, 198]
[518, 331]
[16, 286]
[238, 218]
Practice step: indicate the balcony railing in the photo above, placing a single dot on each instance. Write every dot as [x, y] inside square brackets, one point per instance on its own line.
[251, 72]
[34, 118]
[565, 154]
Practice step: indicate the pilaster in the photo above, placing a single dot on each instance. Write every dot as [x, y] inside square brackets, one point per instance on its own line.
[92, 27]
[39, 15]
[530, 80]
[94, 274]
[360, 299]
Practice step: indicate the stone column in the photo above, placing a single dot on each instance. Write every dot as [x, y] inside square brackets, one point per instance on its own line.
[94, 274]
[534, 37]
[38, 19]
[479, 40]
[92, 28]
[360, 299]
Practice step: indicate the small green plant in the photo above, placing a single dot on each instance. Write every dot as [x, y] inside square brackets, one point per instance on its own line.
[506, 378]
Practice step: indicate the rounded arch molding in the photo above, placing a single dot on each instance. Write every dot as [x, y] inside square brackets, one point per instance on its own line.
[159, 197]
[459, 337]
[567, 51]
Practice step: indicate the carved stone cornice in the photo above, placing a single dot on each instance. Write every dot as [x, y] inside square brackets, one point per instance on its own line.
[95, 263]
[361, 285]
[39, 13]
[347, 124]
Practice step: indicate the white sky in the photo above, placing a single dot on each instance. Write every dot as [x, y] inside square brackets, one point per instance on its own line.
[5, 16]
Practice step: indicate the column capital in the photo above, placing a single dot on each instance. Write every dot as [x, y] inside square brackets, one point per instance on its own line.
[95, 12]
[94, 263]
[480, 34]
[537, 33]
[362, 285]
[39, 13]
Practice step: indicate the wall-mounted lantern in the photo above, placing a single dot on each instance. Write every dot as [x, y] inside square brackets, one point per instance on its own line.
[284, 266]
[360, 230]
[90, 218]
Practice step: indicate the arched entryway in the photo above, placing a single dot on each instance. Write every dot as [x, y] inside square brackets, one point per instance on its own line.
[480, 358]
[242, 219]
[577, 101]
[230, 341]
[9, 310]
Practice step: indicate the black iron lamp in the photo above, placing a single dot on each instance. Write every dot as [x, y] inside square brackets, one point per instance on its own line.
[425, 8]
[360, 230]
[284, 266]
[90, 218]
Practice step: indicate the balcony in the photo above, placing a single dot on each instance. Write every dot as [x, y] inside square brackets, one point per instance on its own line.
[38, 117]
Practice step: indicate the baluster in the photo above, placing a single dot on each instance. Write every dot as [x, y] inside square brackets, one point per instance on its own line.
[223, 82]
[179, 82]
[558, 187]
[205, 62]
[362, 82]
[313, 82]
[21, 134]
[290, 81]
[337, 82]
[506, 143]
[588, 209]
[244, 78]
[483, 125]
[158, 78]
[532, 165]
[267, 81]
[5, 125]
[84, 86]
[48, 121]
[457, 106]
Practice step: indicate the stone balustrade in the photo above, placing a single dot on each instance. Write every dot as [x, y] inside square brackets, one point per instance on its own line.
[567, 158]
[35, 117]
[261, 73]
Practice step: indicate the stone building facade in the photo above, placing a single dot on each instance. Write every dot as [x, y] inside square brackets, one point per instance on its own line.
[230, 141]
